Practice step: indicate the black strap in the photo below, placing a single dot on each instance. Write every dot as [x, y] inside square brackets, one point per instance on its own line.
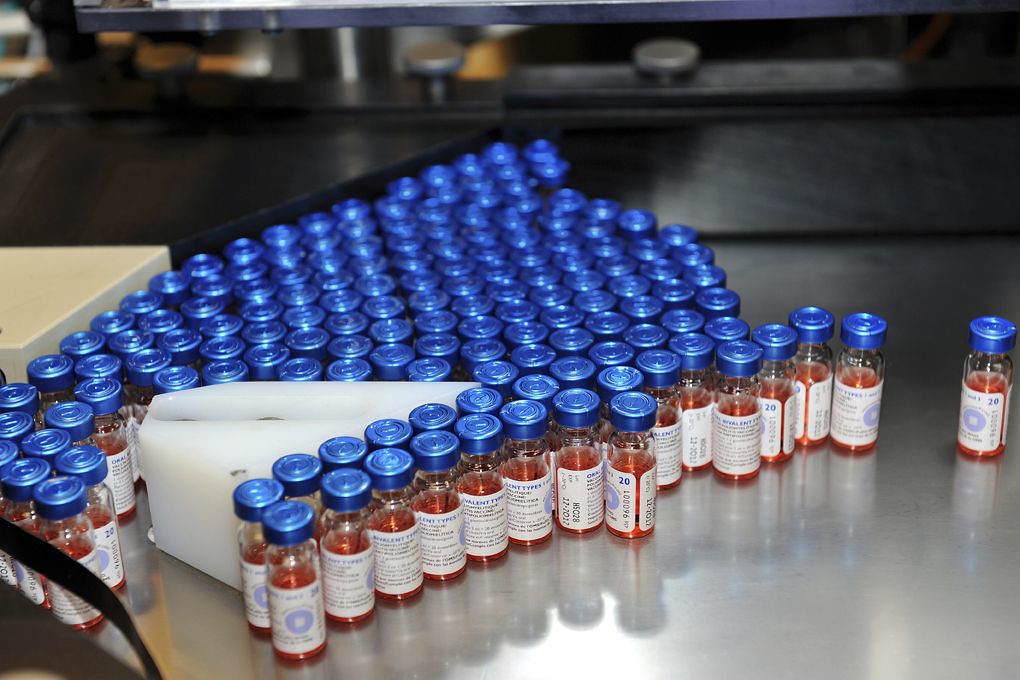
[45, 559]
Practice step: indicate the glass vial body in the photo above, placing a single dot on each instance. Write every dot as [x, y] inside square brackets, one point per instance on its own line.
[812, 393]
[526, 472]
[857, 398]
[347, 557]
[440, 515]
[106, 533]
[697, 402]
[736, 421]
[580, 484]
[667, 436]
[73, 537]
[31, 584]
[984, 403]
[397, 540]
[484, 496]
[295, 600]
[105, 396]
[631, 473]
[778, 381]
[251, 498]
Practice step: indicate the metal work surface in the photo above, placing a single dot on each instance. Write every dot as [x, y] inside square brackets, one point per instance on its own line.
[271, 15]
[896, 564]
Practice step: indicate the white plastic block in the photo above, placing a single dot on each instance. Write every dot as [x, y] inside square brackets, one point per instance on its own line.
[198, 445]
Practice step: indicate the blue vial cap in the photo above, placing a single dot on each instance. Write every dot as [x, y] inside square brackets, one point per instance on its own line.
[126, 343]
[299, 473]
[727, 328]
[536, 387]
[420, 281]
[352, 209]
[262, 332]
[571, 341]
[467, 284]
[499, 375]
[694, 349]
[244, 251]
[584, 280]
[516, 311]
[661, 270]
[428, 300]
[439, 321]
[216, 287]
[693, 254]
[8, 452]
[390, 468]
[264, 361]
[440, 345]
[435, 450]
[372, 285]
[552, 173]
[716, 302]
[629, 286]
[269, 310]
[173, 286]
[87, 463]
[197, 309]
[159, 322]
[616, 379]
[84, 343]
[74, 417]
[349, 370]
[550, 296]
[635, 224]
[992, 334]
[578, 262]
[611, 353]
[525, 333]
[141, 302]
[562, 316]
[813, 324]
[571, 372]
[383, 307]
[21, 397]
[705, 276]
[863, 331]
[298, 295]
[346, 489]
[50, 443]
[175, 379]
[99, 366]
[778, 342]
[299, 369]
[111, 322]
[349, 347]
[607, 325]
[602, 210]
[288, 523]
[648, 249]
[540, 151]
[595, 301]
[241, 273]
[59, 498]
[500, 272]
[308, 342]
[331, 275]
[306, 316]
[738, 358]
[142, 366]
[541, 276]
[429, 369]
[390, 361]
[681, 321]
[104, 395]
[479, 327]
[285, 260]
[479, 400]
[222, 349]
[576, 407]
[469, 306]
[202, 265]
[347, 323]
[225, 371]
[252, 497]
[342, 452]
[524, 419]
[677, 235]
[21, 476]
[51, 372]
[479, 433]
[633, 412]
[642, 308]
[432, 417]
[281, 235]
[341, 301]
[606, 247]
[618, 265]
[646, 336]
[660, 367]
[675, 294]
[473, 353]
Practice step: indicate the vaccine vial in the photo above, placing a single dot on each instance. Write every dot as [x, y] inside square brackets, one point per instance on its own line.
[8, 454]
[813, 390]
[82, 344]
[481, 487]
[295, 592]
[479, 400]
[526, 476]
[987, 385]
[19, 479]
[394, 528]
[697, 398]
[389, 362]
[388, 433]
[438, 506]
[183, 345]
[141, 368]
[346, 554]
[300, 475]
[715, 303]
[21, 397]
[53, 376]
[295, 369]
[612, 381]
[251, 498]
[88, 463]
[661, 369]
[175, 379]
[540, 388]
[264, 361]
[631, 476]
[432, 416]
[857, 392]
[105, 396]
[342, 452]
[736, 421]
[579, 492]
[778, 378]
[499, 375]
[60, 504]
[73, 417]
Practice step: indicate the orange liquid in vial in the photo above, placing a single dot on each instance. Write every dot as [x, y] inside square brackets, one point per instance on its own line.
[481, 484]
[526, 470]
[666, 417]
[346, 543]
[860, 377]
[76, 549]
[808, 374]
[782, 391]
[636, 463]
[112, 446]
[290, 579]
[737, 405]
[255, 553]
[691, 398]
[438, 502]
[393, 522]
[989, 382]
[100, 517]
[578, 458]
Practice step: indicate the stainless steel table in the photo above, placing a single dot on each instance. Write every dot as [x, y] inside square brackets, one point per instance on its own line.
[901, 563]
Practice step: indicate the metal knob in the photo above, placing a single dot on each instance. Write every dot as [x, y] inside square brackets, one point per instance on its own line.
[435, 63]
[666, 59]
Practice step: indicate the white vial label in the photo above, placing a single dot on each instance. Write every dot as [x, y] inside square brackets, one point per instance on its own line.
[111, 559]
[298, 622]
[120, 480]
[442, 542]
[813, 414]
[529, 508]
[348, 585]
[696, 435]
[1005, 419]
[855, 413]
[777, 427]
[30, 583]
[630, 501]
[580, 497]
[669, 453]
[7, 574]
[485, 527]
[736, 443]
[397, 561]
[983, 418]
[256, 594]
[71, 609]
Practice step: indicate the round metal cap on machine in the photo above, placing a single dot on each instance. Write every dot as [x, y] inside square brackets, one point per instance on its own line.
[666, 58]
